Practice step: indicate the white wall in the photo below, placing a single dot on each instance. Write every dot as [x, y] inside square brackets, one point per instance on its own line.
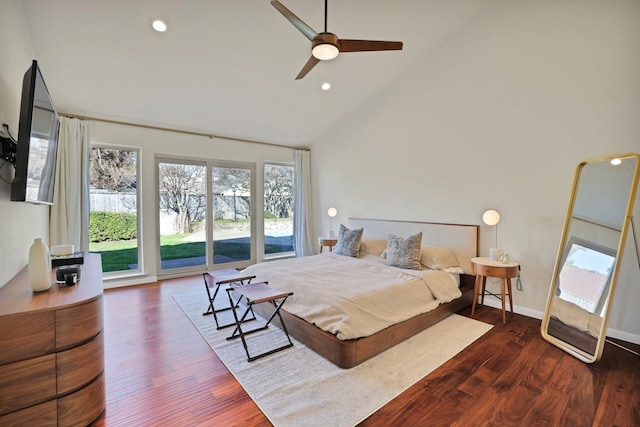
[20, 223]
[498, 117]
[154, 143]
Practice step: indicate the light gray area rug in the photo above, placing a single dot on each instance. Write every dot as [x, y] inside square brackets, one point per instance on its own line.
[297, 387]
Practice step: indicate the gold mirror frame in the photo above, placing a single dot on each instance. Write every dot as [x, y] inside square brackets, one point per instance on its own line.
[597, 222]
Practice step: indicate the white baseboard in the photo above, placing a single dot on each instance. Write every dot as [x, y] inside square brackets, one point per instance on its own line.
[613, 333]
[624, 336]
[121, 282]
[491, 302]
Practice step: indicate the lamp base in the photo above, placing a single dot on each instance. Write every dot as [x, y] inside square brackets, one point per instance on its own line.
[494, 254]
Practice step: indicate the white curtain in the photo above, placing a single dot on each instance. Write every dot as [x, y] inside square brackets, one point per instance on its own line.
[302, 218]
[69, 220]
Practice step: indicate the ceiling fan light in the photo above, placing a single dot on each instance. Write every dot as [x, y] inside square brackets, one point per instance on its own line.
[325, 51]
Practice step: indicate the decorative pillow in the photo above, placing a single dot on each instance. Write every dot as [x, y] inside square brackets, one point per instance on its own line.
[348, 241]
[373, 246]
[404, 253]
[437, 258]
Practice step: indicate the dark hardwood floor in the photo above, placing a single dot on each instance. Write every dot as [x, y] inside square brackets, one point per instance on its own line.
[159, 371]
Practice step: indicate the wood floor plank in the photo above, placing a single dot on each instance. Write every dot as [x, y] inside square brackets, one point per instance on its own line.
[159, 371]
[618, 398]
[442, 413]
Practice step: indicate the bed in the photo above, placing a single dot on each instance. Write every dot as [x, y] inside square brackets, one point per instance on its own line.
[325, 287]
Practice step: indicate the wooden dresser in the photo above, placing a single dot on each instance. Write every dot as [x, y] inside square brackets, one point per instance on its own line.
[52, 351]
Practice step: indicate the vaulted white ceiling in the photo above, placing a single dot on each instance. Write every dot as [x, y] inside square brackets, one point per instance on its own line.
[228, 67]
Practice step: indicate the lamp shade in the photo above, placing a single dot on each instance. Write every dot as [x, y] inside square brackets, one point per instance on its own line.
[491, 217]
[332, 212]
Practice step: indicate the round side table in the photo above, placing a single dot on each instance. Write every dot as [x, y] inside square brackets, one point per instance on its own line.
[327, 241]
[484, 267]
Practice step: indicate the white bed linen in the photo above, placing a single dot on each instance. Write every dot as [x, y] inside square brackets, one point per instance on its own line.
[355, 297]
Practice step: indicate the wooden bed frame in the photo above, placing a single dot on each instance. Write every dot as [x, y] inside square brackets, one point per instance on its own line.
[463, 239]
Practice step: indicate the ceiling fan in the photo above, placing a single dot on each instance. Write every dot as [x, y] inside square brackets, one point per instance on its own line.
[325, 45]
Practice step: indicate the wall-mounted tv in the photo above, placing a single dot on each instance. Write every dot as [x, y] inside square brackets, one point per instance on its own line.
[37, 148]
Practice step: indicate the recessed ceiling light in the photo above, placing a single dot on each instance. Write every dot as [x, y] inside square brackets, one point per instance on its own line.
[616, 162]
[159, 25]
[326, 86]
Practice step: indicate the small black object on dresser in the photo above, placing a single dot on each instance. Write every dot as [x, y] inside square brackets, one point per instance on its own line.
[73, 259]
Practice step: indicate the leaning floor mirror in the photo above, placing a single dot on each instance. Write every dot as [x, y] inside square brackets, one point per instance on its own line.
[590, 252]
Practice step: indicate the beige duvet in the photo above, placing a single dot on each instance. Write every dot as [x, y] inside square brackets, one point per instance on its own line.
[355, 297]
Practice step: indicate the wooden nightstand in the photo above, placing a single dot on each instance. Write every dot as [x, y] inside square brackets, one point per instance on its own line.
[327, 241]
[483, 267]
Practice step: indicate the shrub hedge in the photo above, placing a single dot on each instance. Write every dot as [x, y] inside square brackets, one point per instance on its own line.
[112, 226]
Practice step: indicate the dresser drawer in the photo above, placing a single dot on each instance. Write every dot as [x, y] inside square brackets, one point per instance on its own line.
[23, 336]
[42, 415]
[83, 406]
[27, 382]
[79, 366]
[79, 323]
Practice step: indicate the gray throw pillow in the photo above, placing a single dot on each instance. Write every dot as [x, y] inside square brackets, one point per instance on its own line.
[348, 241]
[404, 253]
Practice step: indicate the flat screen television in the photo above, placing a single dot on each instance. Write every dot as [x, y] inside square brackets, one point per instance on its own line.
[37, 148]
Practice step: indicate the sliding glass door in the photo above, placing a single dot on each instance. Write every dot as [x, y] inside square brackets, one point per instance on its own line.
[182, 210]
[231, 213]
[205, 215]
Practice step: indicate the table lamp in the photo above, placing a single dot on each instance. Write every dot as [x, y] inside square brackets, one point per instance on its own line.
[492, 218]
[332, 212]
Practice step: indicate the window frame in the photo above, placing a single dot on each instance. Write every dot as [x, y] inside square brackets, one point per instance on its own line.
[139, 209]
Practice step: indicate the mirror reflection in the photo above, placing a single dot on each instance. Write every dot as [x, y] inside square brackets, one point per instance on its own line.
[591, 247]
[585, 275]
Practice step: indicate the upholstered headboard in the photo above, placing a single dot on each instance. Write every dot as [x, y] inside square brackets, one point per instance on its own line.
[463, 239]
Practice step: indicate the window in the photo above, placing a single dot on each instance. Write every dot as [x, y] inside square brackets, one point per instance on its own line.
[113, 205]
[278, 208]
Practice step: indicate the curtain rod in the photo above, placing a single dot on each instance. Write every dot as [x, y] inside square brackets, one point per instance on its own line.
[186, 132]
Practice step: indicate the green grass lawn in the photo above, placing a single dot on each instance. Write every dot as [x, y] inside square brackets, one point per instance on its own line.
[121, 255]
